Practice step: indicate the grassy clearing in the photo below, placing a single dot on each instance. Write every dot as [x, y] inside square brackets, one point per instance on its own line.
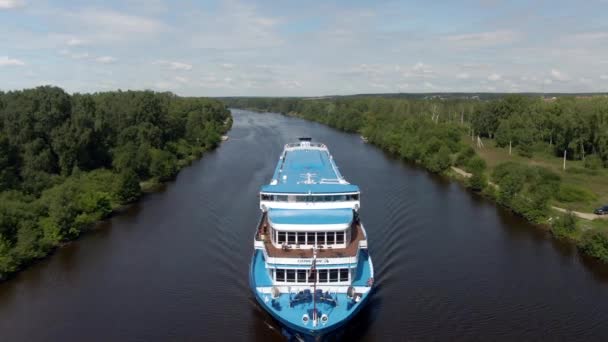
[583, 189]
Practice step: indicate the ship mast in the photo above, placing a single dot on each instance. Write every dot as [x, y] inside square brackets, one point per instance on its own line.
[314, 286]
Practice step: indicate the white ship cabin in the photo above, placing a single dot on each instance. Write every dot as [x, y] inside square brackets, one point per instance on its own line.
[306, 177]
[289, 237]
[308, 206]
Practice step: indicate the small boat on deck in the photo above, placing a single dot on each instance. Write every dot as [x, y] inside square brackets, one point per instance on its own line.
[311, 269]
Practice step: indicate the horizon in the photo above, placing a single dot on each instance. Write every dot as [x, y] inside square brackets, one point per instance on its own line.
[243, 49]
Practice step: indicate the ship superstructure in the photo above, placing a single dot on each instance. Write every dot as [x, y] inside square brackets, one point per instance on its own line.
[311, 269]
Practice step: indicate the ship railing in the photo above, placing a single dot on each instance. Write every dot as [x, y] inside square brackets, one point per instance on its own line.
[308, 145]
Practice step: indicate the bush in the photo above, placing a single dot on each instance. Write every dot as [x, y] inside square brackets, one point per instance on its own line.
[163, 164]
[594, 242]
[581, 171]
[569, 193]
[439, 161]
[476, 164]
[128, 187]
[593, 163]
[525, 150]
[464, 156]
[564, 226]
[478, 181]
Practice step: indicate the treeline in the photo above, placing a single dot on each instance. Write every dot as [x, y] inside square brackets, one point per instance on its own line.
[67, 161]
[576, 126]
[433, 134]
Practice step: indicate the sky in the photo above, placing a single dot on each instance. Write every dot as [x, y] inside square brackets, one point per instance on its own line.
[305, 48]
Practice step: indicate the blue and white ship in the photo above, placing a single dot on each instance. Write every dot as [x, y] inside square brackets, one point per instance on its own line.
[311, 269]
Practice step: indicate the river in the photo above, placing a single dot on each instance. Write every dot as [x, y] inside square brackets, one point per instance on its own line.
[449, 264]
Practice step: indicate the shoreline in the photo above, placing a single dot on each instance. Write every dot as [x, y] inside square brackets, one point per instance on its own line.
[148, 187]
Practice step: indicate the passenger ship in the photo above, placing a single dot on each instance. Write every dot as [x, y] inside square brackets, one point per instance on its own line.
[311, 269]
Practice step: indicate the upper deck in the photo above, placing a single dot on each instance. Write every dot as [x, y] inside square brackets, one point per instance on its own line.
[307, 168]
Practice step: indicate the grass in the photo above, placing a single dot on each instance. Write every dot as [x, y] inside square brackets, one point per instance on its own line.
[593, 182]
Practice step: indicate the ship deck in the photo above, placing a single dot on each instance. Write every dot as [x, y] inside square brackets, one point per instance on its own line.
[275, 252]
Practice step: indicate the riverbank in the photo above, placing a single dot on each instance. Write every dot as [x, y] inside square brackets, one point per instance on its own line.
[79, 158]
[147, 187]
[582, 215]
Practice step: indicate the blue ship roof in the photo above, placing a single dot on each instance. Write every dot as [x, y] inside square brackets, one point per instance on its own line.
[311, 216]
[308, 171]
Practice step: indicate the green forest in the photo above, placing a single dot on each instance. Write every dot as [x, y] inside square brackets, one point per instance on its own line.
[67, 161]
[513, 147]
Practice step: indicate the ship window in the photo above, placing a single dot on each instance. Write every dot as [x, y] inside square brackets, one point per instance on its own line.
[291, 275]
[333, 276]
[280, 275]
[291, 237]
[331, 238]
[301, 238]
[266, 197]
[281, 237]
[322, 276]
[320, 238]
[300, 198]
[311, 239]
[354, 197]
[344, 274]
[281, 198]
[301, 276]
[340, 237]
[291, 198]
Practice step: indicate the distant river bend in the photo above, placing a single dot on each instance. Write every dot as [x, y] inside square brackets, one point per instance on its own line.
[449, 265]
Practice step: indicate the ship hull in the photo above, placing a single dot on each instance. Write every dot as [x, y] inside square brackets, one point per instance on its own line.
[307, 334]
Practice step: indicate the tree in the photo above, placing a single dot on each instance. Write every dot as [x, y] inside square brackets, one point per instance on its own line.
[9, 165]
[128, 188]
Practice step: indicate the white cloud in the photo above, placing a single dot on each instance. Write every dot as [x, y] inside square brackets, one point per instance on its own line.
[6, 61]
[463, 76]
[419, 70]
[483, 38]
[180, 66]
[120, 23]
[10, 4]
[173, 65]
[421, 67]
[244, 27]
[80, 55]
[75, 42]
[559, 75]
[227, 66]
[181, 79]
[585, 80]
[604, 77]
[378, 85]
[290, 84]
[164, 85]
[105, 59]
[494, 77]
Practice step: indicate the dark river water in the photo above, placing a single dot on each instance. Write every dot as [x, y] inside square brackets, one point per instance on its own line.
[449, 264]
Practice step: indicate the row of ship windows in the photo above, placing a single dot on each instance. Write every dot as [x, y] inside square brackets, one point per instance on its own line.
[310, 198]
[310, 238]
[307, 276]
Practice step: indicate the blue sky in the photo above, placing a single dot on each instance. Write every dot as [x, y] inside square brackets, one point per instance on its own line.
[305, 48]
